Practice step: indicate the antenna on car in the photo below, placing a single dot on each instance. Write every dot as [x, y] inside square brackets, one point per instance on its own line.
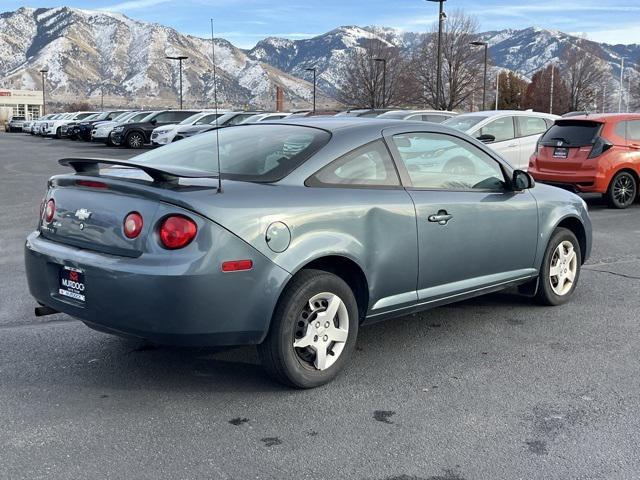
[215, 102]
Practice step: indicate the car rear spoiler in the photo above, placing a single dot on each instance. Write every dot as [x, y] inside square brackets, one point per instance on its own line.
[91, 166]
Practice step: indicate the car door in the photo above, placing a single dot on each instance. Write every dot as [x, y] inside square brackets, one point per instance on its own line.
[474, 232]
[502, 129]
[380, 217]
[528, 130]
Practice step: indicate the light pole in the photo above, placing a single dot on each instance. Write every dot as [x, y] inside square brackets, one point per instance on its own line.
[384, 79]
[498, 88]
[553, 71]
[43, 72]
[484, 81]
[621, 84]
[441, 17]
[180, 59]
[313, 69]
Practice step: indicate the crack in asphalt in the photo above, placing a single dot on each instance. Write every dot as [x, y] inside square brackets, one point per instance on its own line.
[623, 275]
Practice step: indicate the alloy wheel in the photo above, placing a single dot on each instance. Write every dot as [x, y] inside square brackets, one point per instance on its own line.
[322, 331]
[564, 267]
[135, 140]
[624, 189]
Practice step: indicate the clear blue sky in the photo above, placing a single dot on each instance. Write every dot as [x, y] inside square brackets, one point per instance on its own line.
[244, 22]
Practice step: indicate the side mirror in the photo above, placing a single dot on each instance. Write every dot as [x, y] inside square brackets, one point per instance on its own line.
[522, 180]
[153, 121]
[486, 138]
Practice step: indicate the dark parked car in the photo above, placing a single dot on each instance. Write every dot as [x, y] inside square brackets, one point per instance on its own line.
[82, 130]
[136, 135]
[321, 226]
[227, 120]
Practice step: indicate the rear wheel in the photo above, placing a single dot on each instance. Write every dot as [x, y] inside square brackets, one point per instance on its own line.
[622, 190]
[135, 140]
[58, 133]
[313, 331]
[560, 268]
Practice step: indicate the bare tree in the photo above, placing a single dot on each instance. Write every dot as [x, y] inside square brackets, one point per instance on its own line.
[461, 64]
[538, 94]
[374, 75]
[584, 73]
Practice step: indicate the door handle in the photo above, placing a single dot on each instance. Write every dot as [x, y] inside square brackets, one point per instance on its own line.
[441, 218]
[511, 145]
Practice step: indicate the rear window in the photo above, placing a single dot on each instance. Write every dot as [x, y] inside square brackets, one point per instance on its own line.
[254, 153]
[464, 123]
[571, 133]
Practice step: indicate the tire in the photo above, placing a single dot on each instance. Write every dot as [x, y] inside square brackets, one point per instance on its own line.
[109, 142]
[558, 289]
[622, 191]
[135, 140]
[295, 320]
[58, 133]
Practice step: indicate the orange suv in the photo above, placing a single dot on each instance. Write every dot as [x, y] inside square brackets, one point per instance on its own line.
[592, 154]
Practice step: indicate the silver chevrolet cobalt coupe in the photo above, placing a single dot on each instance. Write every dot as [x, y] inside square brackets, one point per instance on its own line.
[320, 226]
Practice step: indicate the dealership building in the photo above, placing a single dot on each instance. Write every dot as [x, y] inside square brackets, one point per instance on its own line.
[25, 103]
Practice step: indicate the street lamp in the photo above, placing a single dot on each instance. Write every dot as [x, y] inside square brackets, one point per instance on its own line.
[441, 17]
[43, 72]
[384, 79]
[180, 59]
[313, 69]
[478, 43]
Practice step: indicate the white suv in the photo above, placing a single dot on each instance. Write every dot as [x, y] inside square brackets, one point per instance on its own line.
[54, 127]
[511, 133]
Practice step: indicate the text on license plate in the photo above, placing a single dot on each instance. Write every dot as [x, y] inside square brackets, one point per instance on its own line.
[72, 283]
[561, 152]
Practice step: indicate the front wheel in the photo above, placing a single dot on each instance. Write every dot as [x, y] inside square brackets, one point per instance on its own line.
[313, 331]
[560, 268]
[58, 133]
[622, 190]
[135, 140]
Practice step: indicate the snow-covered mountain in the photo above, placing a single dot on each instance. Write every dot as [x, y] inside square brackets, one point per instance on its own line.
[89, 50]
[523, 51]
[85, 51]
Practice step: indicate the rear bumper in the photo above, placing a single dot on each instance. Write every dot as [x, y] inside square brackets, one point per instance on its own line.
[188, 302]
[581, 182]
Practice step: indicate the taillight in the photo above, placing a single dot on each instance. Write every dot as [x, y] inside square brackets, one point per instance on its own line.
[177, 231]
[50, 210]
[539, 148]
[132, 225]
[600, 146]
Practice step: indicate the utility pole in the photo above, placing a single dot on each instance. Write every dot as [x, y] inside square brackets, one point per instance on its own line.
[604, 98]
[628, 91]
[313, 69]
[384, 79]
[441, 18]
[621, 84]
[102, 98]
[553, 70]
[498, 88]
[43, 72]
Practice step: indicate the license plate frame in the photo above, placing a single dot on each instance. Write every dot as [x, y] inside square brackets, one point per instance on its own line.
[72, 283]
[561, 152]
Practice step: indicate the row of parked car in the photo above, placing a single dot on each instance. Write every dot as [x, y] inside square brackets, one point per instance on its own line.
[582, 152]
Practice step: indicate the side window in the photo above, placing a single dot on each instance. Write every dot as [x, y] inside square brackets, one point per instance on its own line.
[164, 117]
[444, 162]
[621, 129]
[367, 166]
[501, 128]
[179, 116]
[633, 130]
[531, 126]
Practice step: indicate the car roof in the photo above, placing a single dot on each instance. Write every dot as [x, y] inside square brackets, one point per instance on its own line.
[605, 117]
[332, 124]
[495, 113]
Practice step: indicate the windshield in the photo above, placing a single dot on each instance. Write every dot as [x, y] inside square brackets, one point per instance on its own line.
[92, 117]
[464, 123]
[140, 117]
[191, 119]
[82, 116]
[207, 119]
[124, 117]
[252, 153]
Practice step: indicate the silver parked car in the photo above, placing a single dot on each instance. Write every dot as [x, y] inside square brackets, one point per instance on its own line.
[321, 225]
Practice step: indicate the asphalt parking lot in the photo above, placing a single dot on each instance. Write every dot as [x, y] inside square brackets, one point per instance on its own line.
[493, 388]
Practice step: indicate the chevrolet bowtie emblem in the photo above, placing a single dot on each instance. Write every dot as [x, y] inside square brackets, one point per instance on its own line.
[82, 214]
